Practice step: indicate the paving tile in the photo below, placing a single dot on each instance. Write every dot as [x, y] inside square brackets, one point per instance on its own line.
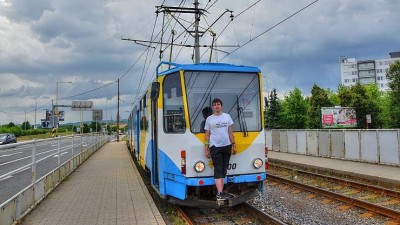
[106, 189]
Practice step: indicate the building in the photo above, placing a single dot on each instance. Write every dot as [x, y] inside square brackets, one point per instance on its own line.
[366, 71]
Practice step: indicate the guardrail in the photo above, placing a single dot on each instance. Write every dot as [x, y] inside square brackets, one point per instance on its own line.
[372, 146]
[16, 207]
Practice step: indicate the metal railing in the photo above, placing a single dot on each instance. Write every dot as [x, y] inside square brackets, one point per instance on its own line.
[16, 207]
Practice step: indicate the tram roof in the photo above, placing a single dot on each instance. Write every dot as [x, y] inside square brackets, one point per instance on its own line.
[223, 67]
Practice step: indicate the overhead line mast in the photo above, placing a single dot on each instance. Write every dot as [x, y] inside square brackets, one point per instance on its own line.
[196, 33]
[193, 29]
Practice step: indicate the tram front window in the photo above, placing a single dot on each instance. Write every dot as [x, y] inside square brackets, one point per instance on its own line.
[239, 92]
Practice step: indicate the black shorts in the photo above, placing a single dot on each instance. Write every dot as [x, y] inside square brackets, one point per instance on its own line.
[220, 157]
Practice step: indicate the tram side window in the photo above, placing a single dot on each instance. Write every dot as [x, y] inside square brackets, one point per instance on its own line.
[174, 119]
[144, 123]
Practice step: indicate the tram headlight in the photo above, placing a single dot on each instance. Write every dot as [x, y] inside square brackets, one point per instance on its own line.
[199, 166]
[257, 163]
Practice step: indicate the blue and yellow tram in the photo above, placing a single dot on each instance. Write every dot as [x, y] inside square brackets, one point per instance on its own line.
[167, 127]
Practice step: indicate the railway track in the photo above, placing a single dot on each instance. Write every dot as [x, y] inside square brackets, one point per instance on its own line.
[372, 198]
[241, 214]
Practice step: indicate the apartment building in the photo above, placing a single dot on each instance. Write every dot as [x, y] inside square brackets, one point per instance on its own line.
[366, 71]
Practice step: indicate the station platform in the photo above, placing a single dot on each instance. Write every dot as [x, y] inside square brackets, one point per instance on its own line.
[106, 189]
[380, 174]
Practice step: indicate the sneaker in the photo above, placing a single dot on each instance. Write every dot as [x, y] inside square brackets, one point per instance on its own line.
[226, 195]
[221, 196]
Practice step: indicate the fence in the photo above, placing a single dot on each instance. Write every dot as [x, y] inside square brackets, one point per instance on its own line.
[16, 207]
[373, 146]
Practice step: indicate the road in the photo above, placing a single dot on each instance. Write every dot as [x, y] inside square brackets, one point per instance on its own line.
[16, 156]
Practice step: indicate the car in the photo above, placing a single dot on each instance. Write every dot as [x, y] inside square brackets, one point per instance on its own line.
[7, 138]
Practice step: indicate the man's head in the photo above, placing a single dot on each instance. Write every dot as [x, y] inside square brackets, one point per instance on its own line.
[217, 100]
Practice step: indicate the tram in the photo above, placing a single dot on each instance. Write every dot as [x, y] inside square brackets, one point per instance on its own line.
[167, 131]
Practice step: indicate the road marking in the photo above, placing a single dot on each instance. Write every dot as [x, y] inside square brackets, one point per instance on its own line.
[61, 154]
[5, 178]
[10, 154]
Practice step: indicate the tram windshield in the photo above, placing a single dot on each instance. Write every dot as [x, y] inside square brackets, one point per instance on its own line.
[239, 92]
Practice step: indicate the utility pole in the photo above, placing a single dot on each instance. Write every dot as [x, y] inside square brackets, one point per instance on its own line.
[25, 120]
[34, 126]
[106, 117]
[118, 115]
[196, 32]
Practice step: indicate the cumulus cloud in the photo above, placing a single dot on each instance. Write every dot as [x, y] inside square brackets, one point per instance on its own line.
[43, 42]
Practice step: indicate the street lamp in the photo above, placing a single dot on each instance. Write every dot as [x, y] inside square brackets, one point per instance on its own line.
[56, 106]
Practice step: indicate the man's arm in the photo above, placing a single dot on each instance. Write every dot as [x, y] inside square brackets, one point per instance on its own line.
[232, 139]
[207, 144]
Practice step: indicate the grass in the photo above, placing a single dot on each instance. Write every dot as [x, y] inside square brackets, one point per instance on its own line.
[41, 136]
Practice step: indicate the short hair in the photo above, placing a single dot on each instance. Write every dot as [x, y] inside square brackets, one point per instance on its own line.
[216, 100]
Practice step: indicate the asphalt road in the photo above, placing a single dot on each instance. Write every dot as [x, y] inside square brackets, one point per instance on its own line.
[16, 156]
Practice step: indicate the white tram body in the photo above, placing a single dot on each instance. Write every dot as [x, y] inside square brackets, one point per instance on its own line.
[167, 131]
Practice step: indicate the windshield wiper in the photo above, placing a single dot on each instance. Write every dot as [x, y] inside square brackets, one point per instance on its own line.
[242, 119]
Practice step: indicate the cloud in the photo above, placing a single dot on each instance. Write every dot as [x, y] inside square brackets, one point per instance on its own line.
[43, 41]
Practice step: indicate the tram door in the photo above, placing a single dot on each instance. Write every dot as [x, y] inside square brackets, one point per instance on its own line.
[155, 90]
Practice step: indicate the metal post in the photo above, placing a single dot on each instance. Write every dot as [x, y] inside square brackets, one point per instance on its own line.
[118, 115]
[59, 149]
[73, 145]
[33, 176]
[196, 33]
[25, 120]
[56, 109]
[34, 127]
[81, 143]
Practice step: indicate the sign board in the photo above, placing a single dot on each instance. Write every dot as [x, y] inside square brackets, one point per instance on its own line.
[338, 117]
[97, 114]
[61, 115]
[369, 120]
[82, 105]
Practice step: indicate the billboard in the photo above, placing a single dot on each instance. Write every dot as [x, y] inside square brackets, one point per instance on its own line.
[82, 105]
[338, 117]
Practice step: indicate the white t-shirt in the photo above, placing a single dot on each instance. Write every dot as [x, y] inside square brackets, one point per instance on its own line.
[218, 127]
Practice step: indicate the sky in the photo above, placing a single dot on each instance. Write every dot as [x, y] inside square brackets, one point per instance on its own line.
[79, 46]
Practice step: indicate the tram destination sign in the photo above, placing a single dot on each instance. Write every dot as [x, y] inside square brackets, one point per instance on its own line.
[82, 105]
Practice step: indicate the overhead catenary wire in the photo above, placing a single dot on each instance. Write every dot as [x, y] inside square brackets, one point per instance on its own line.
[230, 21]
[269, 29]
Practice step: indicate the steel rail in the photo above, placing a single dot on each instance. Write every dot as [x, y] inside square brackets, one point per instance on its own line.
[251, 210]
[263, 216]
[354, 184]
[352, 201]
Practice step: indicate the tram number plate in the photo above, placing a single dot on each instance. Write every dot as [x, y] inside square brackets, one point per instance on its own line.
[231, 166]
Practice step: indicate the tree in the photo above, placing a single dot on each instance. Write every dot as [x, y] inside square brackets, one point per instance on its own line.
[385, 114]
[294, 111]
[358, 96]
[26, 125]
[393, 76]
[93, 126]
[333, 97]
[273, 111]
[86, 128]
[319, 98]
[376, 103]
